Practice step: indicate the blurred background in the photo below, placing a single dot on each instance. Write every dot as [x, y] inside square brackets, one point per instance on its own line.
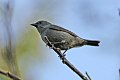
[22, 52]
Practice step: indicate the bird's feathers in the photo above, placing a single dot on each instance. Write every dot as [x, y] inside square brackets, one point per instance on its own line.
[58, 28]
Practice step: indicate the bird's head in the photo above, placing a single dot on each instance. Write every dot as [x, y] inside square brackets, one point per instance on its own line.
[41, 25]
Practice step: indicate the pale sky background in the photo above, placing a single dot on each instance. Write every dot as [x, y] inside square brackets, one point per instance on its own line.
[90, 19]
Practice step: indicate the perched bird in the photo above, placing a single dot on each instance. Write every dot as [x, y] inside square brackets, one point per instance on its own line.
[61, 38]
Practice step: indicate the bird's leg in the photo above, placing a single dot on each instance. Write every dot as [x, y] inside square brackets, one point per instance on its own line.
[48, 42]
[62, 42]
[52, 46]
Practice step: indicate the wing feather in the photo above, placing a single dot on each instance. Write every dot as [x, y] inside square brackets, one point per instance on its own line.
[58, 28]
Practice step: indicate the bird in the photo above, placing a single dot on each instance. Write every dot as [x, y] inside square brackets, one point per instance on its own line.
[61, 38]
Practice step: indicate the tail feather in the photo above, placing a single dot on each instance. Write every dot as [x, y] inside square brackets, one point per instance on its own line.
[92, 42]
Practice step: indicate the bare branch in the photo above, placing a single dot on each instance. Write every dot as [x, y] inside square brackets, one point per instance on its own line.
[10, 75]
[65, 61]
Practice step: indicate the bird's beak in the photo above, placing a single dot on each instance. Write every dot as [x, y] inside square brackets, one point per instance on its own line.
[35, 25]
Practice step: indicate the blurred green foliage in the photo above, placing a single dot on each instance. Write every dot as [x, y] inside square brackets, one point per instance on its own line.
[4, 78]
[26, 48]
[28, 43]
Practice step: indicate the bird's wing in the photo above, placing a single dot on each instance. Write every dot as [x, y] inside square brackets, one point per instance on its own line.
[58, 28]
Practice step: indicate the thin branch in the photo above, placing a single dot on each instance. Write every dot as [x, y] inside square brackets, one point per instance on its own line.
[10, 75]
[88, 76]
[65, 61]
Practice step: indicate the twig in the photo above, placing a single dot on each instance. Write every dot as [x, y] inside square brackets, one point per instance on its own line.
[11, 76]
[65, 61]
[88, 76]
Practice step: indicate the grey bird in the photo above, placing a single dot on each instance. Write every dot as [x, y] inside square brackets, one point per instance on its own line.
[61, 38]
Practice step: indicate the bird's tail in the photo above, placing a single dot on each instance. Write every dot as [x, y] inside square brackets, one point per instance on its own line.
[92, 42]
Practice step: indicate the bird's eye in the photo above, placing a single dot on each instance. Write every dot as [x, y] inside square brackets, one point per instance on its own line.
[40, 23]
